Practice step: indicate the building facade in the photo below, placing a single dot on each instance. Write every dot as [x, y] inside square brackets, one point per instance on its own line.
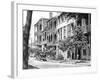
[48, 33]
[38, 32]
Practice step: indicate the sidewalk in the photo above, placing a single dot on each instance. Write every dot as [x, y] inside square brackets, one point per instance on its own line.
[56, 64]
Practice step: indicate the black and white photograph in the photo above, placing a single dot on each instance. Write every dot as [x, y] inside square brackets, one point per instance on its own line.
[56, 39]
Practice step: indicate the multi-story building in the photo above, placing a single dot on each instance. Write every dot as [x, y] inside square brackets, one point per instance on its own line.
[83, 21]
[50, 31]
[64, 28]
[38, 32]
[65, 25]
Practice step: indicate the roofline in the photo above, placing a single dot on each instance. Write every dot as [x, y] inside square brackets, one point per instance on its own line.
[39, 20]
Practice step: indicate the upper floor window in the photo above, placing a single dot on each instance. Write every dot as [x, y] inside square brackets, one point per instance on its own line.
[84, 27]
[47, 38]
[69, 30]
[50, 25]
[55, 37]
[83, 22]
[58, 20]
[61, 32]
[40, 27]
[55, 24]
[64, 31]
[45, 35]
[62, 18]
[40, 38]
[51, 38]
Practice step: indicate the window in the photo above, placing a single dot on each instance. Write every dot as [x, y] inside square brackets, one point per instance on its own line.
[84, 25]
[51, 38]
[58, 31]
[58, 20]
[64, 32]
[83, 22]
[58, 34]
[55, 24]
[55, 37]
[47, 38]
[61, 33]
[40, 27]
[43, 39]
[84, 52]
[64, 37]
[45, 35]
[62, 18]
[50, 25]
[40, 38]
[69, 30]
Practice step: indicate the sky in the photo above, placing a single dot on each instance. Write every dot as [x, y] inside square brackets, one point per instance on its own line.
[36, 15]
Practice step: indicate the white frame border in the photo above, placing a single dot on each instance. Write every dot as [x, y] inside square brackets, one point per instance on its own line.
[16, 56]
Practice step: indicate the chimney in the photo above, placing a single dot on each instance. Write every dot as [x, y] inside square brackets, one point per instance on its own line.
[50, 15]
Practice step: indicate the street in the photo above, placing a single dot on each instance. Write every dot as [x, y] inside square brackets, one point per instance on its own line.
[46, 64]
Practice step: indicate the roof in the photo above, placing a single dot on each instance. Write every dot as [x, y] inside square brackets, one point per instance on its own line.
[45, 19]
[52, 18]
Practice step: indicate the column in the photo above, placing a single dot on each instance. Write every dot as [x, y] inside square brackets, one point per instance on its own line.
[42, 47]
